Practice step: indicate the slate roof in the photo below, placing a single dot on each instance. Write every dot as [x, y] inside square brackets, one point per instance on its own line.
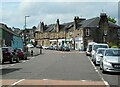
[93, 22]
[50, 28]
[89, 23]
[68, 26]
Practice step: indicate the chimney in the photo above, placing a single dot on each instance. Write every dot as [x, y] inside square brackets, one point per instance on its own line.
[75, 22]
[103, 20]
[58, 26]
[42, 27]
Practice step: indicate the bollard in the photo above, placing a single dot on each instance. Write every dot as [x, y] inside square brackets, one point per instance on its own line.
[31, 52]
[40, 51]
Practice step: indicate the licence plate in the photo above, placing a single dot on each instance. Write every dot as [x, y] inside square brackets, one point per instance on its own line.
[117, 66]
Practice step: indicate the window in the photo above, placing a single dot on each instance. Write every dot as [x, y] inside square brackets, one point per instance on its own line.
[87, 32]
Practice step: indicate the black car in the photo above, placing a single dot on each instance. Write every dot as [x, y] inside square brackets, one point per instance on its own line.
[9, 55]
[66, 48]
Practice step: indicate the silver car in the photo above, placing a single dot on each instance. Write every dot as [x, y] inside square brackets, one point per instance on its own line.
[110, 60]
[94, 49]
[98, 54]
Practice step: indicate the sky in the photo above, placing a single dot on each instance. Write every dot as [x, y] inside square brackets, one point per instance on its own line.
[48, 11]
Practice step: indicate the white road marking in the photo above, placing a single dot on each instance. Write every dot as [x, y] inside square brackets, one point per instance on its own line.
[4, 67]
[17, 82]
[12, 64]
[83, 80]
[44, 79]
[23, 61]
[105, 82]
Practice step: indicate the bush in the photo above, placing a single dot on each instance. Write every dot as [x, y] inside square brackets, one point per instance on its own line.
[115, 46]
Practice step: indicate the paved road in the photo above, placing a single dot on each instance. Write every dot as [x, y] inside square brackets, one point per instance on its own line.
[54, 67]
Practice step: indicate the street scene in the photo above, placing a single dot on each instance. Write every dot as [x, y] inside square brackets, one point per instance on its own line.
[54, 44]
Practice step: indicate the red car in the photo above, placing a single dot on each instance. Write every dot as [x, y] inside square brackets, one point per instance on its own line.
[9, 55]
[21, 54]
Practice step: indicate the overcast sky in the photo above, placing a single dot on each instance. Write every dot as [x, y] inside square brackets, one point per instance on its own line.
[13, 12]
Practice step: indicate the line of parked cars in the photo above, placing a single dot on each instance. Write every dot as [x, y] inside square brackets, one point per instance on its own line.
[107, 58]
[10, 55]
[54, 47]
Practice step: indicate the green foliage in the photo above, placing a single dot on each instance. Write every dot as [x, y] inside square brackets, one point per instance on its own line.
[115, 46]
[112, 20]
[111, 45]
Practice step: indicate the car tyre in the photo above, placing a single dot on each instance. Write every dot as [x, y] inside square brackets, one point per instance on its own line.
[11, 61]
[103, 70]
[100, 68]
[17, 60]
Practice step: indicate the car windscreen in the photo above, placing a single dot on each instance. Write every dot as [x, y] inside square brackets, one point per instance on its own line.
[99, 46]
[101, 51]
[112, 53]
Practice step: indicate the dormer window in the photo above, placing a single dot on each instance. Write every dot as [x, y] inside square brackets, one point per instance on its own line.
[87, 32]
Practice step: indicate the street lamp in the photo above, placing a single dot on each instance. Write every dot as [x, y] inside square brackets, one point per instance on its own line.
[25, 20]
[25, 34]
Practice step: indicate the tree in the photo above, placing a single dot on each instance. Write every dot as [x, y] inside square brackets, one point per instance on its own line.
[110, 19]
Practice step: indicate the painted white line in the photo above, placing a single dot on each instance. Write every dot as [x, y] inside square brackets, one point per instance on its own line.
[4, 67]
[24, 61]
[12, 64]
[17, 82]
[83, 80]
[44, 79]
[105, 82]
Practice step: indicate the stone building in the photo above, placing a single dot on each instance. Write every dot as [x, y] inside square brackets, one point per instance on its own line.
[79, 33]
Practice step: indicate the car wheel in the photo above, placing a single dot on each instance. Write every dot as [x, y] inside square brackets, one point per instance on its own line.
[25, 57]
[103, 70]
[17, 60]
[11, 61]
[2, 62]
[100, 67]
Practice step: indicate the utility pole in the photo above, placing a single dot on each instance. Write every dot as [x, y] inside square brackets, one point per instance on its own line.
[25, 34]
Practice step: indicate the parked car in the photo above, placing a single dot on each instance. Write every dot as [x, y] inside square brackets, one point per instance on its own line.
[66, 48]
[61, 48]
[21, 54]
[45, 47]
[50, 47]
[95, 47]
[89, 48]
[1, 55]
[9, 55]
[110, 60]
[98, 54]
[30, 46]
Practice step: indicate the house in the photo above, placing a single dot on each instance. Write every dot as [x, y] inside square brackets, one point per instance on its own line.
[78, 33]
[28, 35]
[9, 38]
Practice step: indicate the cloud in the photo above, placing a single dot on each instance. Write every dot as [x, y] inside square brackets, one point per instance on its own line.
[48, 12]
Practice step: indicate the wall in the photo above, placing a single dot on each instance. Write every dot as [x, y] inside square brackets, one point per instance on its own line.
[17, 42]
[7, 37]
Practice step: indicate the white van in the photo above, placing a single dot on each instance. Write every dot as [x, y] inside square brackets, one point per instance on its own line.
[89, 48]
[94, 49]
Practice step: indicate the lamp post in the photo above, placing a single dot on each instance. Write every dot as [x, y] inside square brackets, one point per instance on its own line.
[25, 34]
